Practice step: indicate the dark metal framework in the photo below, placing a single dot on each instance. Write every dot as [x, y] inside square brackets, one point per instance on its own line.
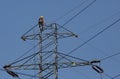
[45, 63]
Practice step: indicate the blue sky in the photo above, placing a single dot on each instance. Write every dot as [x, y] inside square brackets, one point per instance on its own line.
[16, 17]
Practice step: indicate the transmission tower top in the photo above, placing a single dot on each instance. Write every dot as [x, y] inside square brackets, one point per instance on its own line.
[41, 27]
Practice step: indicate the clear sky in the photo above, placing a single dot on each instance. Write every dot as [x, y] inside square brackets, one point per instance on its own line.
[17, 16]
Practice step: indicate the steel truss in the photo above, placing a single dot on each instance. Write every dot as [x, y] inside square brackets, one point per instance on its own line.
[46, 62]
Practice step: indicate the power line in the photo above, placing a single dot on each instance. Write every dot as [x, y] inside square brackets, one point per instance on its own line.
[99, 23]
[115, 76]
[94, 36]
[107, 75]
[72, 57]
[73, 9]
[110, 56]
[78, 13]
[30, 29]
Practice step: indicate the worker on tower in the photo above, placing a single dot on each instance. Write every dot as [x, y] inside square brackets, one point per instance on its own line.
[41, 23]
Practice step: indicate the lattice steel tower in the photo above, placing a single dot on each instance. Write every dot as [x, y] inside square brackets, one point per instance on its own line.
[44, 63]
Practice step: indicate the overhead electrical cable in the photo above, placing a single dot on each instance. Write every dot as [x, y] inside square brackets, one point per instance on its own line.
[71, 10]
[24, 58]
[94, 36]
[72, 57]
[78, 13]
[110, 56]
[30, 29]
[76, 16]
[107, 75]
[82, 74]
[25, 53]
[104, 20]
[116, 76]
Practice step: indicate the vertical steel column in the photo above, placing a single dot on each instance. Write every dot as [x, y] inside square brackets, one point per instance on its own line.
[55, 52]
[40, 53]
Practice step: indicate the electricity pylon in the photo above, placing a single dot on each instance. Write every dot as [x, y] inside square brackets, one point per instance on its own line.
[45, 63]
